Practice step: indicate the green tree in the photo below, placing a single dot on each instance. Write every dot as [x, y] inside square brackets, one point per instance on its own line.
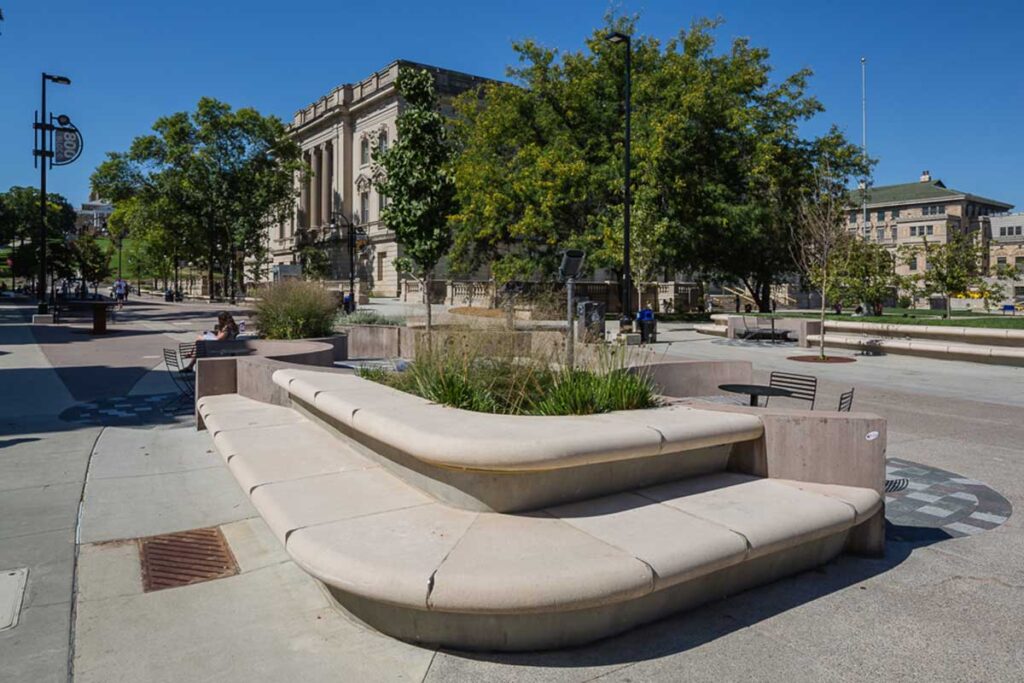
[216, 176]
[19, 221]
[950, 269]
[868, 275]
[820, 237]
[719, 165]
[415, 175]
[92, 260]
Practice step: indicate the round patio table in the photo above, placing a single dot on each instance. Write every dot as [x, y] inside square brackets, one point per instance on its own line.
[755, 390]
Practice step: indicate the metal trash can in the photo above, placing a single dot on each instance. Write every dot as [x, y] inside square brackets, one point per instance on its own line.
[648, 331]
[590, 321]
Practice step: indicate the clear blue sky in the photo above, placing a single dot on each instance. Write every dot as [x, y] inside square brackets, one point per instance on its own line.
[945, 79]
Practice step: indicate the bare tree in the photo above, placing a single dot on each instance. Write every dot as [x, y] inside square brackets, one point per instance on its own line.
[820, 237]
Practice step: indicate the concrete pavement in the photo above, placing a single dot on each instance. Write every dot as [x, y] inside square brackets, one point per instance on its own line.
[930, 610]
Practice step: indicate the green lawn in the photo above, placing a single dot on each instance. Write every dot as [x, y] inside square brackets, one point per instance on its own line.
[992, 320]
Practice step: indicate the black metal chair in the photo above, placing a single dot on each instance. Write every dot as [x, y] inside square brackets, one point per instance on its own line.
[184, 381]
[802, 387]
[896, 485]
[846, 401]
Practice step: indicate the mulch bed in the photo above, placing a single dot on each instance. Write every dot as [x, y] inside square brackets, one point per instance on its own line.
[826, 359]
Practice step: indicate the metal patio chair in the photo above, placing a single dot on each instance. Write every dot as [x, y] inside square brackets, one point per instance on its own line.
[183, 381]
[846, 401]
[802, 387]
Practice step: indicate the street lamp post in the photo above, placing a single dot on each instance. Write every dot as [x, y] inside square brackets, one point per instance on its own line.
[335, 217]
[627, 276]
[44, 126]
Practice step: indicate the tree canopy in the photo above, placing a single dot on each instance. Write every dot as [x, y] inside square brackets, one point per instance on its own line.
[211, 181]
[719, 164]
[415, 176]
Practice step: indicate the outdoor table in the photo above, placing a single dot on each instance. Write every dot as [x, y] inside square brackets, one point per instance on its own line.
[755, 390]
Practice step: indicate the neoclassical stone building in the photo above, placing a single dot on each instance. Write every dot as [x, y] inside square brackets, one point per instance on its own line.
[338, 133]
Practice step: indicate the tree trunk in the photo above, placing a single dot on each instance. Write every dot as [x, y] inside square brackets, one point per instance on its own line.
[428, 280]
[821, 318]
[949, 306]
[209, 271]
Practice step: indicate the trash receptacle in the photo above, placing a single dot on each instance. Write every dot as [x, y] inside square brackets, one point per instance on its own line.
[647, 326]
[168, 295]
[99, 318]
[648, 331]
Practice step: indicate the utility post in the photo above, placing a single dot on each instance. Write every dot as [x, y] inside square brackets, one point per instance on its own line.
[67, 148]
[572, 263]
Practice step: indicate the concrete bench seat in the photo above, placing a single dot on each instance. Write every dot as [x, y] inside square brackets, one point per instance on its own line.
[444, 436]
[413, 567]
[511, 463]
[928, 348]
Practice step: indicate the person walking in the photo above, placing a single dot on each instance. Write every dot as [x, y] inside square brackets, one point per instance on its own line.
[120, 292]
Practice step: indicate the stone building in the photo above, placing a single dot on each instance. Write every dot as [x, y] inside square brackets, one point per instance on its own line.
[338, 134]
[911, 212]
[1006, 247]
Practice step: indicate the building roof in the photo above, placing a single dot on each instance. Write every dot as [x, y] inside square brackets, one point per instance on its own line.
[916, 192]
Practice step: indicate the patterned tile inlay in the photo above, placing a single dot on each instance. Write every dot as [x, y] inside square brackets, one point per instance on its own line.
[144, 409]
[936, 499]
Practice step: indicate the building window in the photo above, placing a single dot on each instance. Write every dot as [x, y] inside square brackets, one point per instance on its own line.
[928, 229]
[913, 263]
[382, 141]
[853, 217]
[881, 216]
[1000, 260]
[895, 234]
[895, 213]
[880, 234]
[382, 256]
[913, 230]
[364, 151]
[382, 203]
[1016, 233]
[364, 207]
[1002, 229]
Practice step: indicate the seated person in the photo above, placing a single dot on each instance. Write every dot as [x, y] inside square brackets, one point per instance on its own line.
[226, 329]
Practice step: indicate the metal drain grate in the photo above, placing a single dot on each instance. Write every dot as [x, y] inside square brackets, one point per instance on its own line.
[185, 557]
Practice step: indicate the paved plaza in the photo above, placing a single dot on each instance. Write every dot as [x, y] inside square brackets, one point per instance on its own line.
[93, 459]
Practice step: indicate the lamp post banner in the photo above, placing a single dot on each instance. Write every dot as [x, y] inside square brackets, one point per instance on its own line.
[67, 145]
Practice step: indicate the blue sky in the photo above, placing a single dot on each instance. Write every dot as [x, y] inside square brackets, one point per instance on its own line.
[945, 79]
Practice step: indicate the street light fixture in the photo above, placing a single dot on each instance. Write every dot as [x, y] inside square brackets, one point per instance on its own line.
[45, 127]
[337, 216]
[627, 276]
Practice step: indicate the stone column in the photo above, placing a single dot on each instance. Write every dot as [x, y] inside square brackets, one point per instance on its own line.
[315, 184]
[303, 214]
[325, 183]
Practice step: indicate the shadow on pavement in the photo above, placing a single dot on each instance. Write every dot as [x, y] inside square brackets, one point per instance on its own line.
[698, 627]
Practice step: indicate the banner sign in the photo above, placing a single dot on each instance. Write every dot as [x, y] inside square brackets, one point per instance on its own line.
[67, 145]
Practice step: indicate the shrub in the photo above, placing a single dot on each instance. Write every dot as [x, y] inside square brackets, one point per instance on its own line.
[370, 317]
[477, 372]
[905, 302]
[295, 309]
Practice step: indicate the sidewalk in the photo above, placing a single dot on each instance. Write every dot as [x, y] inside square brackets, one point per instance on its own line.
[934, 609]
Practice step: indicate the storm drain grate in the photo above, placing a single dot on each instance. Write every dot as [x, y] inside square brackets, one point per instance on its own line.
[185, 557]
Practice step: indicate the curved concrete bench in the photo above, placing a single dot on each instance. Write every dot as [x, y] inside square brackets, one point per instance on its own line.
[427, 572]
[977, 353]
[966, 335]
[507, 463]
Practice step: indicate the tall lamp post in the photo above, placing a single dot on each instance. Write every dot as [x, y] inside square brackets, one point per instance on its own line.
[627, 276]
[337, 216]
[45, 127]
